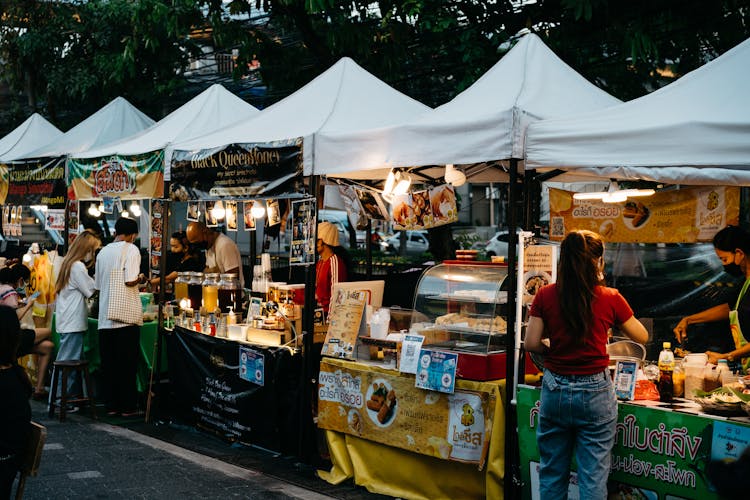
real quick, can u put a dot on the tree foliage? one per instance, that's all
(68, 58)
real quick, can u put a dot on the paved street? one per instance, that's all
(84, 458)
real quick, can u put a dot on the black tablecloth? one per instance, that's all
(207, 390)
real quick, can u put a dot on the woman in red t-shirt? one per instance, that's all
(568, 323)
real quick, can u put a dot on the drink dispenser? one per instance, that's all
(195, 290)
(210, 294)
(230, 293)
(181, 286)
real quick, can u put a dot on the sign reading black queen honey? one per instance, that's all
(236, 169)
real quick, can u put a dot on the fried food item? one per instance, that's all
(440, 447)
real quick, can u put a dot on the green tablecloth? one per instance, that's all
(149, 335)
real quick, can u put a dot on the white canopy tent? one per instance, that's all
(484, 123)
(212, 109)
(114, 121)
(343, 98)
(693, 131)
(32, 134)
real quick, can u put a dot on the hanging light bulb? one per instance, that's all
(454, 176)
(135, 209)
(94, 211)
(258, 210)
(218, 212)
(125, 214)
(390, 183)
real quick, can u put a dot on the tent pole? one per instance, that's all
(311, 357)
(368, 246)
(511, 480)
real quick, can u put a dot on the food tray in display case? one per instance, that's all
(461, 306)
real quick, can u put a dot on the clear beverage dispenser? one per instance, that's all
(230, 293)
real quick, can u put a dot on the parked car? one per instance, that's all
(497, 245)
(416, 243)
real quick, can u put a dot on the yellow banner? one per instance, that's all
(385, 407)
(681, 216)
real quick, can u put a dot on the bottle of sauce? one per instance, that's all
(666, 370)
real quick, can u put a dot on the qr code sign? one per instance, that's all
(557, 227)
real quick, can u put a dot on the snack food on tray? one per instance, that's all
(496, 324)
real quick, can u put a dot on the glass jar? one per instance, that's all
(230, 293)
(195, 290)
(181, 286)
(210, 292)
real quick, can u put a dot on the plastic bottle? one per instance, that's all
(666, 370)
(724, 372)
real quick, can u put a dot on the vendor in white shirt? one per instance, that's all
(222, 254)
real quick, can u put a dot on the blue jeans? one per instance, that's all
(71, 347)
(577, 412)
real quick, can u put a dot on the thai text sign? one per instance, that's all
(657, 452)
(385, 407)
(124, 177)
(680, 216)
(235, 169)
(35, 182)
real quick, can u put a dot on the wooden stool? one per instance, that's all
(62, 369)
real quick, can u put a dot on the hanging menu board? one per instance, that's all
(346, 321)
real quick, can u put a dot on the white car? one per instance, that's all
(497, 245)
(416, 243)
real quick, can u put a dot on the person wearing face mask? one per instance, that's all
(73, 287)
(119, 343)
(732, 246)
(33, 340)
(222, 254)
(182, 258)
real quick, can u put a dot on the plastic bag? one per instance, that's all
(645, 390)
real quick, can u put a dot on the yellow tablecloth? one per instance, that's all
(400, 473)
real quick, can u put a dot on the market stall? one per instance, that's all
(695, 132)
(256, 161)
(481, 132)
(661, 451)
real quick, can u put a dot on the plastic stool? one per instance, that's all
(62, 369)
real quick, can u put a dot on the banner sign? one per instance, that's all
(209, 391)
(36, 182)
(386, 407)
(252, 365)
(234, 170)
(123, 177)
(302, 249)
(425, 209)
(659, 453)
(436, 371)
(681, 216)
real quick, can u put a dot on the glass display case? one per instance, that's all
(462, 306)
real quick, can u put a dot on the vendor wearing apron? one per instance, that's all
(732, 246)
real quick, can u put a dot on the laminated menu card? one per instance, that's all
(346, 321)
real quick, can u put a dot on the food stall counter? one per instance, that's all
(454, 443)
(661, 451)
